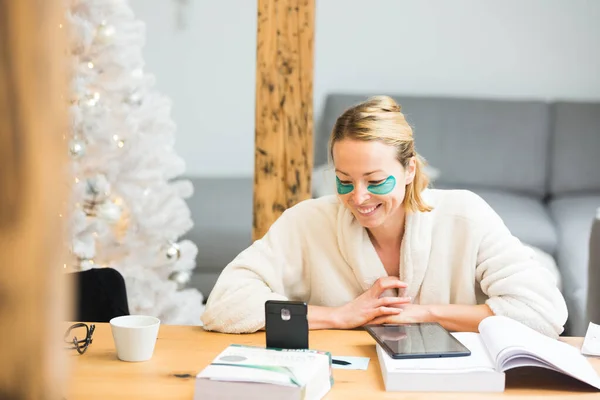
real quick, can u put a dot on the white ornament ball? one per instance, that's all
(76, 148)
(173, 252)
(91, 98)
(109, 212)
(105, 33)
(181, 278)
(134, 98)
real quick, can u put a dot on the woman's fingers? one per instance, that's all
(383, 310)
(384, 283)
(386, 319)
(389, 301)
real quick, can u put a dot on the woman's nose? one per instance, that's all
(360, 194)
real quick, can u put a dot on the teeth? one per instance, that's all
(366, 210)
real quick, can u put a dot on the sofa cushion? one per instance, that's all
(575, 158)
(485, 143)
(574, 216)
(593, 300)
(222, 213)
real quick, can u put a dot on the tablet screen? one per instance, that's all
(417, 340)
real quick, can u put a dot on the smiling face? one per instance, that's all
(360, 167)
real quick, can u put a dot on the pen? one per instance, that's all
(340, 362)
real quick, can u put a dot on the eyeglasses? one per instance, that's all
(79, 330)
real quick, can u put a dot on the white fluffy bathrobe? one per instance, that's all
(459, 253)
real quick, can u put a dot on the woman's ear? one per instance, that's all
(410, 171)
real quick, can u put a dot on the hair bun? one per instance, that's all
(384, 103)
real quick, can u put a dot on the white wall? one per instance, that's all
(207, 69)
(541, 49)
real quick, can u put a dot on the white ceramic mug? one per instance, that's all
(135, 336)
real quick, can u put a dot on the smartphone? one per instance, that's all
(286, 324)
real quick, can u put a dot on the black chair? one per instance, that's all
(100, 295)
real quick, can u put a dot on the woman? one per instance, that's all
(386, 249)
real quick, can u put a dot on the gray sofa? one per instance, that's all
(593, 300)
(535, 163)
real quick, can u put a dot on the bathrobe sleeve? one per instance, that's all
(517, 285)
(270, 269)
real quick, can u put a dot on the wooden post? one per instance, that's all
(32, 193)
(284, 117)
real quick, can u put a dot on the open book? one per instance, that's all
(502, 344)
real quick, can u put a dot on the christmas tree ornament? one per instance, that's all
(91, 98)
(97, 188)
(120, 142)
(105, 32)
(181, 278)
(134, 98)
(109, 211)
(173, 251)
(86, 264)
(76, 148)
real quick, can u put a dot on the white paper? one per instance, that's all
(355, 362)
(591, 343)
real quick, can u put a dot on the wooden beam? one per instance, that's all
(284, 115)
(33, 191)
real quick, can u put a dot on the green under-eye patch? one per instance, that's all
(384, 187)
(343, 188)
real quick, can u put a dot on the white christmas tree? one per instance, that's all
(129, 210)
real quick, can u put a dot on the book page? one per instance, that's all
(497, 335)
(512, 344)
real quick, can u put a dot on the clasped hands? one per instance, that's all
(373, 308)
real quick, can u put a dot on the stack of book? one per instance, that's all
(245, 372)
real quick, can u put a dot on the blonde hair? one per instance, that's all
(380, 118)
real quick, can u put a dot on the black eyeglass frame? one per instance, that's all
(80, 345)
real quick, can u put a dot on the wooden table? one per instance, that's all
(182, 351)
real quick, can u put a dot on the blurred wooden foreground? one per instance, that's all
(32, 193)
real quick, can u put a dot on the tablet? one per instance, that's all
(422, 340)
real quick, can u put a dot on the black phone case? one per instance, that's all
(286, 324)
